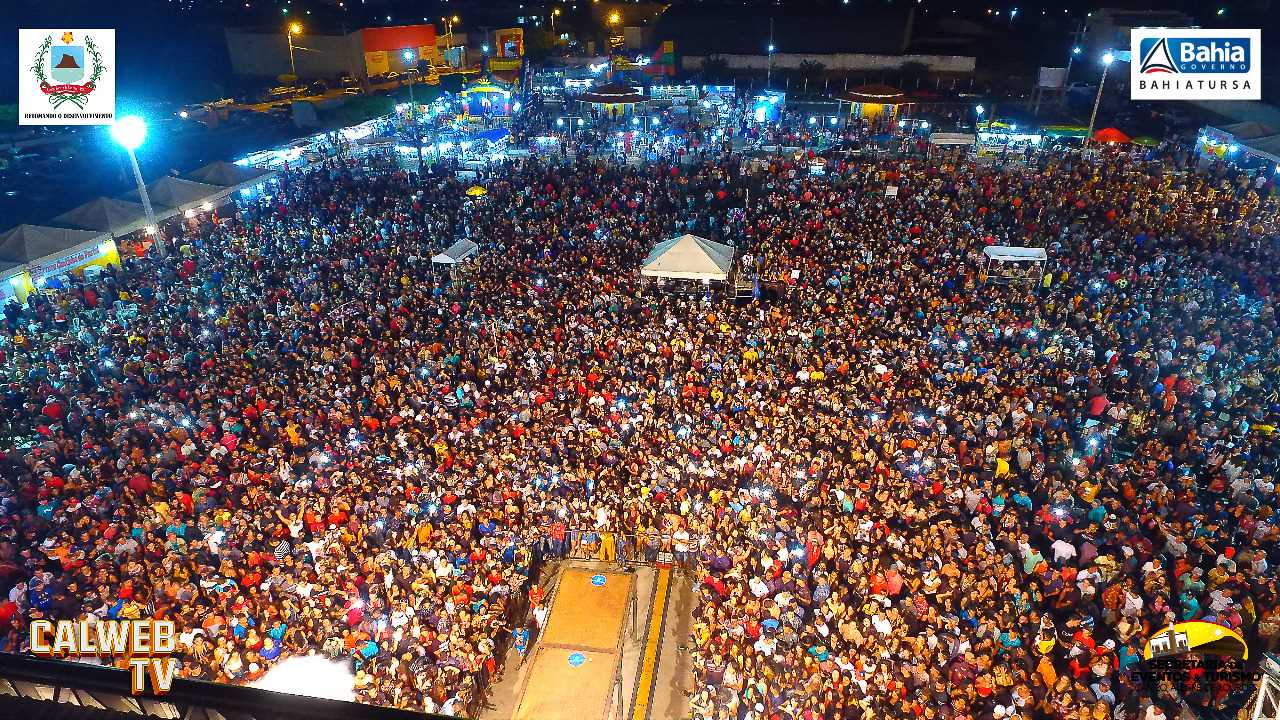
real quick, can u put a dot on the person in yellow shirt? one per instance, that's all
(1002, 467)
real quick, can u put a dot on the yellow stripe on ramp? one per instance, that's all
(653, 642)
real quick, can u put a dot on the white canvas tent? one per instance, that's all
(1010, 264)
(109, 215)
(946, 138)
(689, 257)
(38, 244)
(456, 253)
(179, 194)
(229, 175)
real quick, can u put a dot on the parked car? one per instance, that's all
(318, 87)
(353, 91)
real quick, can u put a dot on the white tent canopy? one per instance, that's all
(109, 215)
(456, 253)
(178, 194)
(229, 175)
(1009, 253)
(1009, 265)
(37, 244)
(945, 138)
(689, 257)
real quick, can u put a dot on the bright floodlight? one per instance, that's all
(979, 109)
(1108, 58)
(771, 48)
(408, 55)
(1075, 50)
(129, 131)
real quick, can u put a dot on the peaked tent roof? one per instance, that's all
(177, 193)
(456, 252)
(118, 217)
(1110, 135)
(221, 172)
(689, 257)
(1248, 130)
(29, 243)
(1013, 253)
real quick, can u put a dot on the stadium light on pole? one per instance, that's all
(1107, 58)
(294, 29)
(1075, 50)
(130, 132)
(409, 57)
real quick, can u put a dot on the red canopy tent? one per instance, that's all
(1110, 135)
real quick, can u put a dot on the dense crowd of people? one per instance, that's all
(905, 490)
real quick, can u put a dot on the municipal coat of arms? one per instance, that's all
(64, 70)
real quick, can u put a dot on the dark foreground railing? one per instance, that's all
(36, 689)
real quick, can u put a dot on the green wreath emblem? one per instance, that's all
(59, 99)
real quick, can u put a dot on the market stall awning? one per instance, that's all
(876, 93)
(32, 243)
(952, 139)
(612, 94)
(104, 214)
(1072, 131)
(1248, 130)
(180, 194)
(1110, 135)
(1010, 253)
(689, 257)
(456, 253)
(225, 174)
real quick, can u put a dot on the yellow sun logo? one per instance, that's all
(67, 37)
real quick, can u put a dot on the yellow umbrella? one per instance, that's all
(476, 191)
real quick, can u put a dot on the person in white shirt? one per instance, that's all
(1062, 550)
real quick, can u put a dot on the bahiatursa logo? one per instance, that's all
(1192, 55)
(1194, 64)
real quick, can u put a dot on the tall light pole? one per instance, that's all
(294, 29)
(1075, 50)
(768, 71)
(1107, 59)
(413, 114)
(554, 13)
(448, 31)
(129, 132)
(614, 19)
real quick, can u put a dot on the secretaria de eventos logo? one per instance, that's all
(66, 77)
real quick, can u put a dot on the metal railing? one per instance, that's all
(624, 548)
